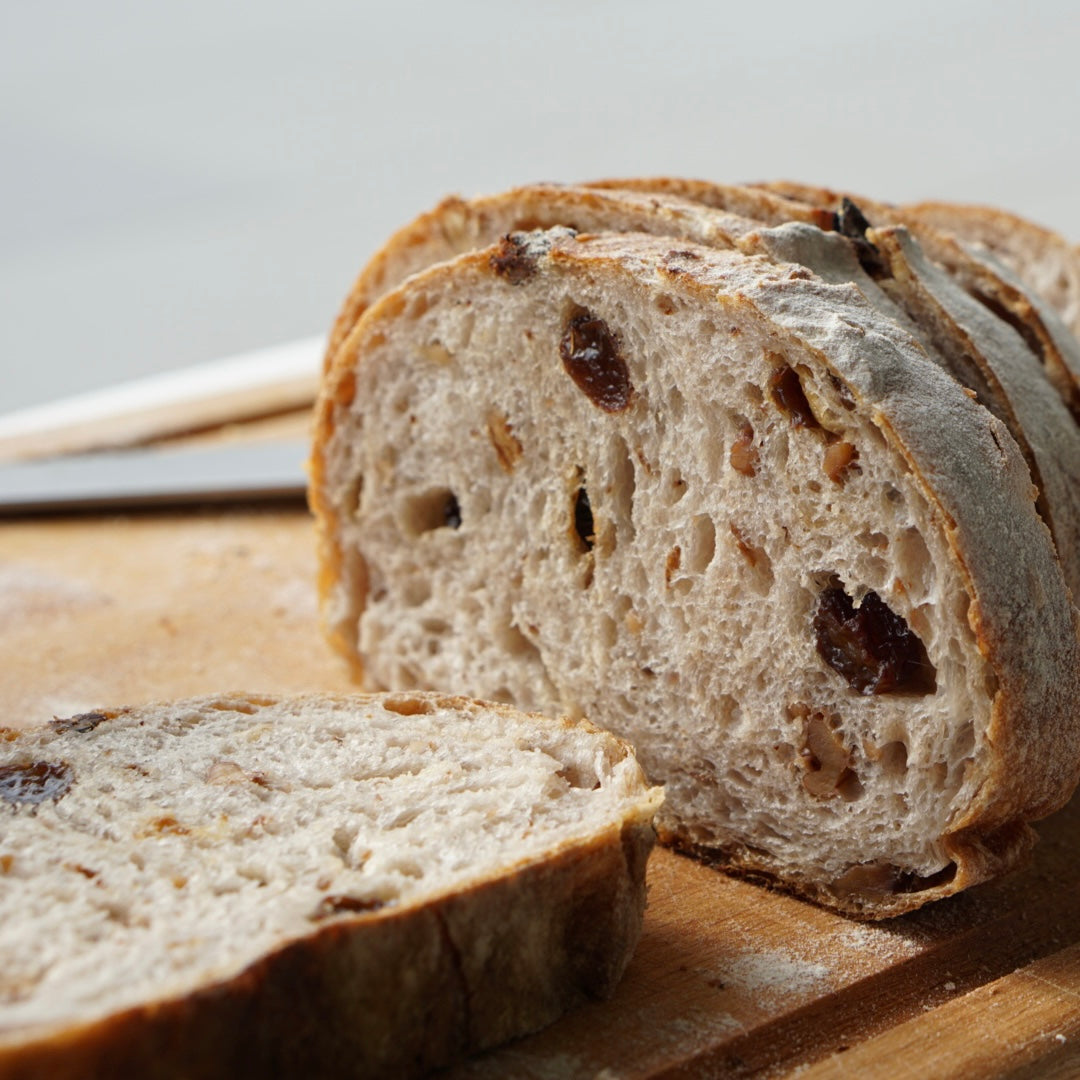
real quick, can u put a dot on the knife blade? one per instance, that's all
(269, 470)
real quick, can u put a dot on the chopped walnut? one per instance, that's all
(827, 761)
(839, 457)
(744, 454)
(674, 561)
(506, 444)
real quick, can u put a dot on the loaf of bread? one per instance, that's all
(318, 886)
(732, 511)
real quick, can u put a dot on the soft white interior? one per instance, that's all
(194, 840)
(688, 625)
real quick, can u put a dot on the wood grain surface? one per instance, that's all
(729, 979)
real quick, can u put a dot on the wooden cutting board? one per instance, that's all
(729, 979)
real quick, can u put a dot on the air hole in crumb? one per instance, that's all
(624, 485)
(674, 489)
(665, 304)
(894, 758)
(579, 777)
(330, 906)
(513, 642)
(753, 395)
(826, 759)
(702, 544)
(583, 519)
(676, 406)
(431, 510)
(354, 495)
(415, 591)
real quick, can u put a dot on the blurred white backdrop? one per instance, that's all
(181, 181)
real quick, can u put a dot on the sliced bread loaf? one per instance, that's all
(318, 886)
(730, 511)
(984, 352)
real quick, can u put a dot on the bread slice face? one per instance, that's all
(730, 512)
(308, 886)
(987, 354)
(457, 226)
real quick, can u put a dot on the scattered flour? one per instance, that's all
(26, 592)
(771, 977)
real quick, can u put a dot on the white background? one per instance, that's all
(181, 181)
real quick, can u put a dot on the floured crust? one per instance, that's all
(1024, 627)
(393, 991)
(983, 248)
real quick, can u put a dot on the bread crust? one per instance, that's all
(982, 248)
(392, 992)
(1000, 548)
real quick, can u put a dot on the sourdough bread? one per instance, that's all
(732, 512)
(316, 886)
(985, 352)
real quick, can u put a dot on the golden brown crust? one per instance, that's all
(386, 995)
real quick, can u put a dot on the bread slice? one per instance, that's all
(729, 511)
(459, 225)
(242, 886)
(1042, 258)
(966, 338)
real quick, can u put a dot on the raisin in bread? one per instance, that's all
(316, 886)
(983, 351)
(730, 511)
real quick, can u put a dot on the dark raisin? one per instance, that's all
(452, 513)
(345, 905)
(35, 783)
(787, 393)
(513, 261)
(81, 724)
(583, 519)
(851, 222)
(590, 353)
(871, 646)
